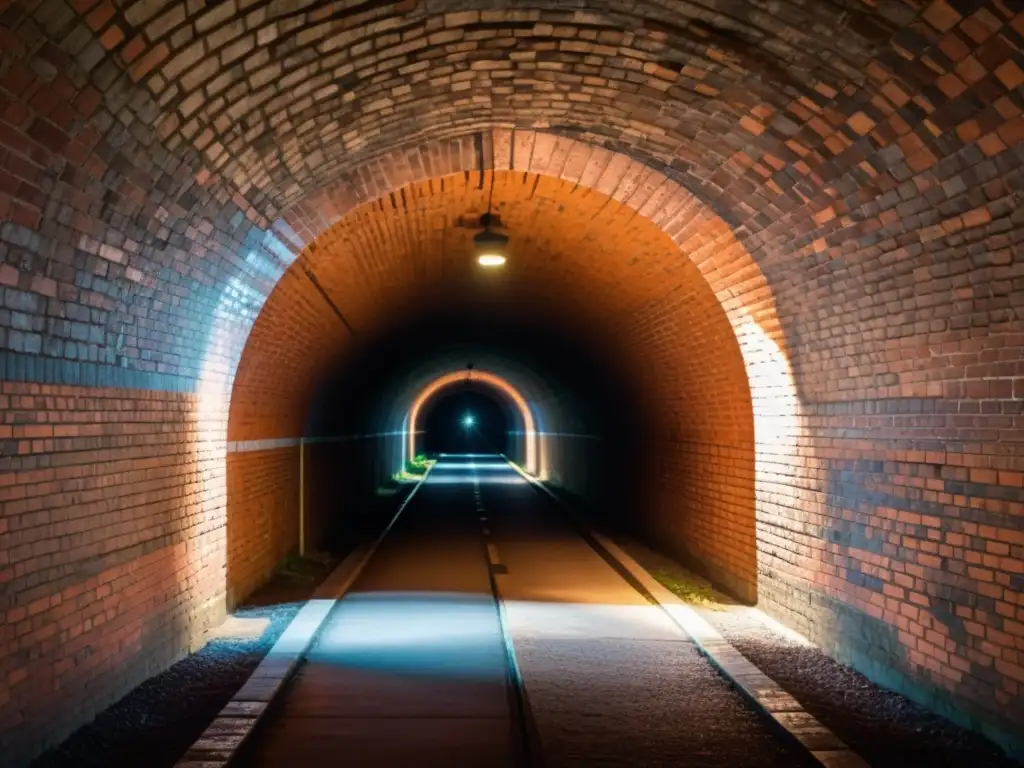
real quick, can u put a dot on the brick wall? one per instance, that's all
(128, 282)
(263, 527)
(338, 484)
(852, 210)
(111, 552)
(342, 481)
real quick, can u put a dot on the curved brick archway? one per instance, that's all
(163, 166)
(553, 417)
(531, 454)
(592, 244)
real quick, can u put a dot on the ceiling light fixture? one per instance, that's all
(491, 244)
(491, 247)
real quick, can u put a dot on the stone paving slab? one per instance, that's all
(243, 709)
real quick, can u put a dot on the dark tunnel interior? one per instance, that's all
(465, 419)
(581, 386)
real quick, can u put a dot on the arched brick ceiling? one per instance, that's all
(575, 254)
(755, 107)
(867, 159)
(281, 96)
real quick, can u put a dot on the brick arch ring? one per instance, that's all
(701, 235)
(490, 379)
(771, 414)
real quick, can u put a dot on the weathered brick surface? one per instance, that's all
(110, 562)
(278, 371)
(263, 487)
(263, 491)
(851, 177)
(115, 263)
(655, 312)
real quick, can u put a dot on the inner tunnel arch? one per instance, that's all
(695, 254)
(531, 452)
(470, 419)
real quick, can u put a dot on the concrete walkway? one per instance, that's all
(412, 669)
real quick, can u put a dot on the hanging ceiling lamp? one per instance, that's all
(491, 244)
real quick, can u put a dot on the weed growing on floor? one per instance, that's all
(418, 465)
(688, 587)
(693, 591)
(414, 470)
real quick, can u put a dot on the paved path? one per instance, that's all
(412, 667)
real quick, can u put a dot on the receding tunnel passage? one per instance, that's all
(519, 412)
(459, 382)
(412, 667)
(466, 421)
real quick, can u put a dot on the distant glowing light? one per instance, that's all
(468, 420)
(412, 420)
(490, 260)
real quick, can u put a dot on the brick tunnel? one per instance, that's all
(760, 310)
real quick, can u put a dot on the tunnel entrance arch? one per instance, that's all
(695, 323)
(742, 439)
(412, 425)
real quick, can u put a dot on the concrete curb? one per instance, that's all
(768, 697)
(223, 738)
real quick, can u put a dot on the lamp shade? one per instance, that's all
(491, 247)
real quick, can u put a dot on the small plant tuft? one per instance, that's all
(689, 590)
(413, 470)
(301, 570)
(417, 465)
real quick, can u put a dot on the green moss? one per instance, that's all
(417, 465)
(690, 590)
(413, 470)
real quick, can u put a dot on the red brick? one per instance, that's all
(799, 251)
(44, 285)
(941, 15)
(111, 37)
(150, 60)
(99, 17)
(8, 275)
(1010, 75)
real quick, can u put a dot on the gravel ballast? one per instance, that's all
(885, 728)
(156, 723)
